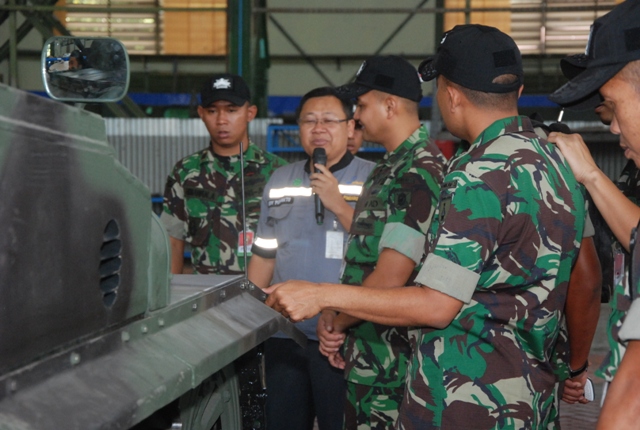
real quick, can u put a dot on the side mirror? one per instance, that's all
(86, 70)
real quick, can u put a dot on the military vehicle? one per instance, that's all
(94, 331)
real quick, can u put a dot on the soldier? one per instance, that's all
(503, 240)
(386, 240)
(611, 252)
(202, 197)
(290, 244)
(613, 69)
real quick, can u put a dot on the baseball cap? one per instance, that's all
(473, 55)
(571, 67)
(387, 73)
(225, 86)
(614, 41)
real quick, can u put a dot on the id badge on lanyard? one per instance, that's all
(334, 243)
(242, 248)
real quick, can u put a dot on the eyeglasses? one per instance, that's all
(323, 122)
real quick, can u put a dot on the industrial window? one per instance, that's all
(148, 29)
(534, 24)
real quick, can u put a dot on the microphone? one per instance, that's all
(319, 157)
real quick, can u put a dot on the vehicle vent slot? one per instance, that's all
(110, 263)
(112, 230)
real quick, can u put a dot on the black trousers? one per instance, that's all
(301, 384)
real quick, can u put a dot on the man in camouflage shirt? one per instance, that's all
(621, 297)
(386, 239)
(492, 290)
(615, 255)
(613, 70)
(203, 196)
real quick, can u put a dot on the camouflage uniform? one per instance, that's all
(202, 205)
(394, 211)
(504, 237)
(629, 184)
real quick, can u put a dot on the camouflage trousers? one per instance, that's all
(374, 408)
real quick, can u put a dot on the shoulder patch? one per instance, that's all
(401, 199)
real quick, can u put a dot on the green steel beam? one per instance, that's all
(263, 10)
(431, 10)
(436, 116)
(239, 38)
(13, 48)
(260, 62)
(103, 9)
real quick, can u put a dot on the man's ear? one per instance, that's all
(201, 112)
(454, 97)
(252, 111)
(391, 105)
(351, 128)
(520, 90)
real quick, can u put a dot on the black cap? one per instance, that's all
(614, 41)
(225, 86)
(473, 55)
(389, 73)
(571, 67)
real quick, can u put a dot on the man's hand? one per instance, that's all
(296, 300)
(576, 153)
(330, 338)
(325, 185)
(336, 360)
(574, 389)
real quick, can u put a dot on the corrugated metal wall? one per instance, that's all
(149, 147)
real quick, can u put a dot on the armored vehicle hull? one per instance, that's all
(94, 331)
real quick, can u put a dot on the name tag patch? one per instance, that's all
(280, 201)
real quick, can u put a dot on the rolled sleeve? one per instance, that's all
(442, 275)
(266, 243)
(631, 328)
(589, 229)
(403, 239)
(173, 225)
(174, 216)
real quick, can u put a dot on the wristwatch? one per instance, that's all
(583, 368)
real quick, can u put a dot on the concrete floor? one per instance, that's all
(585, 417)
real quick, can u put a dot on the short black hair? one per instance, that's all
(502, 101)
(347, 106)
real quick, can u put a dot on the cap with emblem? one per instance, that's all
(387, 73)
(614, 41)
(472, 56)
(225, 86)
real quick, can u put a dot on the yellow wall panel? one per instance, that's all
(195, 33)
(501, 20)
